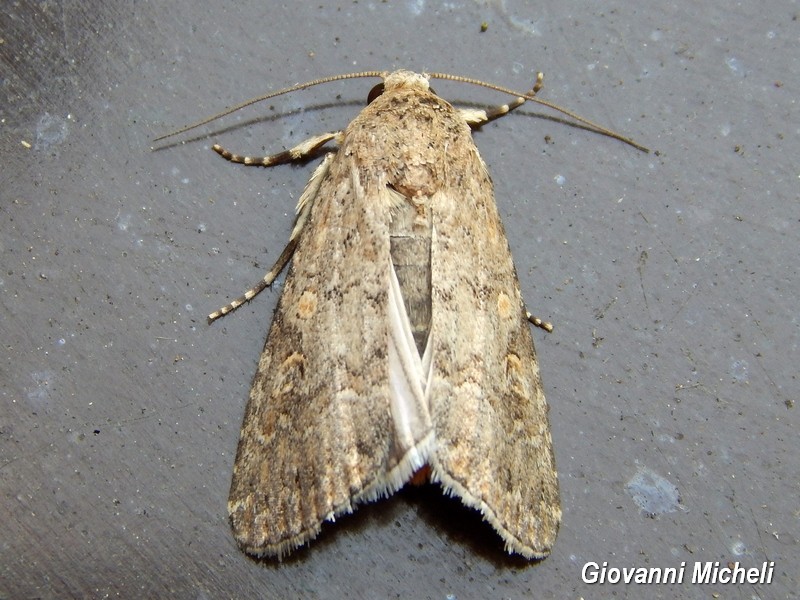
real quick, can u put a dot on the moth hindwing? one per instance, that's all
(400, 339)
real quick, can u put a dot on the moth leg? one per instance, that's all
(303, 150)
(304, 205)
(547, 326)
(476, 118)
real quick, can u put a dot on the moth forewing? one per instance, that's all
(490, 418)
(400, 339)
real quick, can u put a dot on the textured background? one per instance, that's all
(671, 278)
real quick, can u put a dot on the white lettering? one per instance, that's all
(595, 573)
(667, 575)
(723, 575)
(702, 572)
(627, 574)
(739, 574)
(767, 577)
(590, 577)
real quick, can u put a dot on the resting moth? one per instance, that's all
(400, 340)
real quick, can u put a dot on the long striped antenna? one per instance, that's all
(246, 103)
(539, 77)
(444, 76)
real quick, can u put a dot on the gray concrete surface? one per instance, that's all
(672, 280)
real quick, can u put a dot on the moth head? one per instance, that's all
(400, 80)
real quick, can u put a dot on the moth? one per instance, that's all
(400, 340)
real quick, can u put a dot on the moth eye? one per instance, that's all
(374, 93)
